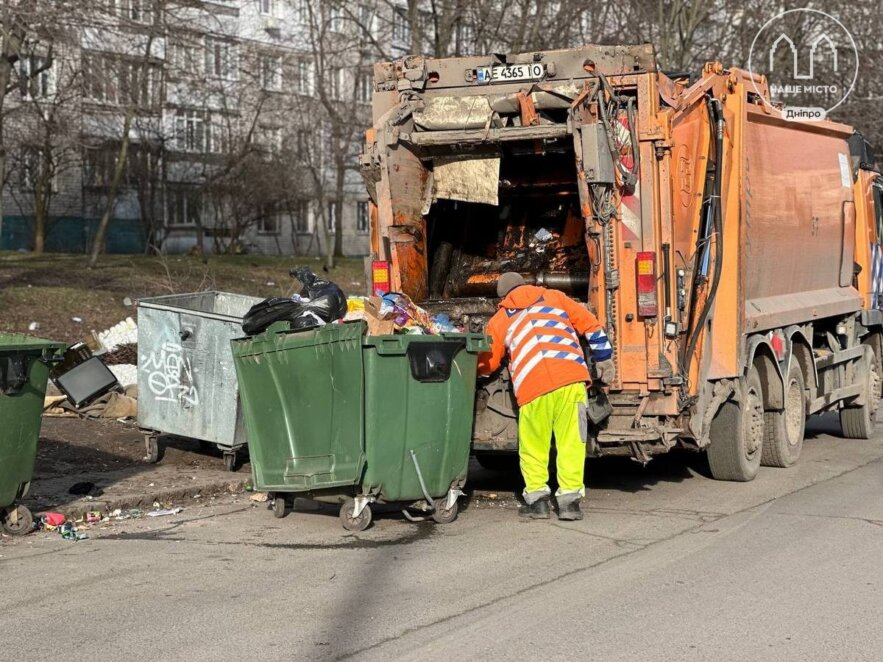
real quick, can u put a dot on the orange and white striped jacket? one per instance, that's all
(539, 329)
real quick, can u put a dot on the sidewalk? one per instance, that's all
(103, 462)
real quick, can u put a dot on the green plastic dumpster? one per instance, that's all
(336, 416)
(23, 376)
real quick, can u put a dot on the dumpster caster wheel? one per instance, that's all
(444, 515)
(351, 523)
(279, 505)
(17, 520)
(151, 445)
(231, 461)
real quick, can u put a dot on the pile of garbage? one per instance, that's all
(323, 302)
(393, 312)
(319, 302)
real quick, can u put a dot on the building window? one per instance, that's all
(268, 7)
(301, 214)
(186, 59)
(115, 81)
(401, 29)
(139, 11)
(365, 87)
(268, 139)
(189, 131)
(268, 224)
(303, 83)
(335, 18)
(366, 20)
(271, 72)
(99, 164)
(304, 143)
(218, 135)
(331, 216)
(184, 206)
(30, 161)
(336, 80)
(220, 59)
(302, 11)
(425, 27)
(35, 73)
(465, 37)
(363, 218)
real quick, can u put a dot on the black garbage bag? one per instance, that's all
(320, 302)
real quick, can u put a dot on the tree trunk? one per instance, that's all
(119, 170)
(39, 222)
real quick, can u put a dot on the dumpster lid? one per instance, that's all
(15, 342)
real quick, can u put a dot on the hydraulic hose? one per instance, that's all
(716, 115)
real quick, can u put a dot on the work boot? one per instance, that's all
(570, 511)
(539, 509)
(568, 506)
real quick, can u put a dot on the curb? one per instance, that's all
(145, 500)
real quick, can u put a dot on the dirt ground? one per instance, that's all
(53, 289)
(94, 464)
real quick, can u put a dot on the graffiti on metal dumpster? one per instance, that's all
(170, 375)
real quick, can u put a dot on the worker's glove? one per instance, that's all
(606, 371)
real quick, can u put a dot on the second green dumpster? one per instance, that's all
(337, 416)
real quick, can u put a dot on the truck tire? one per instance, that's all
(737, 434)
(784, 430)
(858, 422)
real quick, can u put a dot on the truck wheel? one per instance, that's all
(858, 422)
(737, 434)
(783, 430)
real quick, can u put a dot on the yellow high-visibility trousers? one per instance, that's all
(562, 412)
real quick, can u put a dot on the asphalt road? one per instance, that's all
(667, 565)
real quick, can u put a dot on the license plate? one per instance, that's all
(510, 72)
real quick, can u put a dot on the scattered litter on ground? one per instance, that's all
(33, 326)
(164, 512)
(78, 320)
(259, 497)
(53, 519)
(123, 333)
(113, 405)
(127, 301)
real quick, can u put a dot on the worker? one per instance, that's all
(539, 328)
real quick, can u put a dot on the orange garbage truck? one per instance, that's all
(733, 256)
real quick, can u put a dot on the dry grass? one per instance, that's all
(53, 289)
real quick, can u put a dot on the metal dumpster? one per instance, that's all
(23, 376)
(186, 380)
(337, 416)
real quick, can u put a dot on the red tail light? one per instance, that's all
(379, 277)
(648, 304)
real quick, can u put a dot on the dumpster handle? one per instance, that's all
(420, 478)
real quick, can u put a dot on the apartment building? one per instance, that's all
(244, 120)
